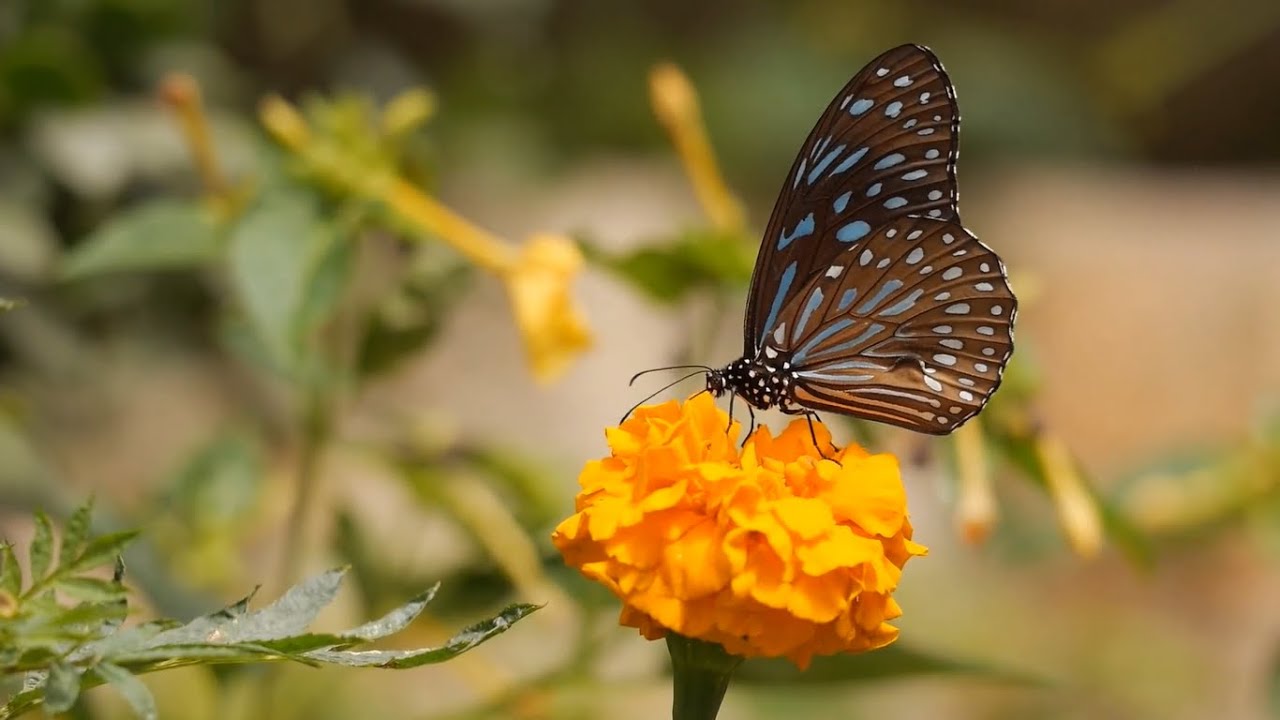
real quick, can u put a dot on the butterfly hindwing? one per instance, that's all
(885, 148)
(911, 325)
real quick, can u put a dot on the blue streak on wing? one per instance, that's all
(881, 293)
(850, 161)
(836, 349)
(818, 339)
(853, 231)
(815, 299)
(823, 163)
(889, 161)
(902, 305)
(842, 202)
(796, 182)
(804, 228)
(847, 299)
(860, 106)
(823, 372)
(784, 286)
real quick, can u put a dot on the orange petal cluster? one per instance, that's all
(771, 551)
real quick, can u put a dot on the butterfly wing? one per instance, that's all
(911, 325)
(885, 148)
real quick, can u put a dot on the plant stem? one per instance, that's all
(316, 423)
(700, 676)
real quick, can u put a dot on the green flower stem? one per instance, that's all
(701, 672)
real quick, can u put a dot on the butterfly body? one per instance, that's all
(869, 298)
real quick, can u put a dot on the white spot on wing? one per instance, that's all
(834, 271)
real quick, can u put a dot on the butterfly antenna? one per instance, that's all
(702, 368)
(662, 389)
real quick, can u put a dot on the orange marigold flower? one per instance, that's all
(769, 551)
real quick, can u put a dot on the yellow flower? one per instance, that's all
(538, 282)
(771, 551)
(538, 275)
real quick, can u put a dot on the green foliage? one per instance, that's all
(60, 649)
(160, 235)
(283, 258)
(696, 260)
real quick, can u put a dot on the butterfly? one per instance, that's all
(869, 298)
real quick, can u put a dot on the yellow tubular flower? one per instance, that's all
(182, 94)
(675, 102)
(773, 551)
(1077, 510)
(976, 508)
(538, 274)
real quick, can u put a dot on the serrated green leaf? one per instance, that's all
(290, 615)
(130, 687)
(394, 621)
(164, 234)
(101, 550)
(90, 589)
(76, 533)
(40, 554)
(276, 250)
(10, 573)
(896, 661)
(97, 615)
(170, 656)
(404, 659)
(61, 688)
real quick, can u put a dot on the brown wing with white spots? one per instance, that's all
(911, 326)
(885, 148)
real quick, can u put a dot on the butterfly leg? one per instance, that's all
(732, 397)
(751, 411)
(809, 415)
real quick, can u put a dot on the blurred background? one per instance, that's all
(234, 338)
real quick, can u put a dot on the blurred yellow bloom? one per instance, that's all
(976, 506)
(770, 552)
(538, 283)
(539, 274)
(1077, 510)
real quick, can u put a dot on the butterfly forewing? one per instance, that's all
(885, 148)
(910, 325)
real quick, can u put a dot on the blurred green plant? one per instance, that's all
(50, 650)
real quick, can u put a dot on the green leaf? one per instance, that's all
(277, 249)
(219, 484)
(669, 273)
(10, 573)
(90, 589)
(40, 554)
(290, 615)
(404, 659)
(61, 688)
(100, 551)
(407, 319)
(134, 692)
(394, 621)
(164, 234)
(896, 661)
(76, 534)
